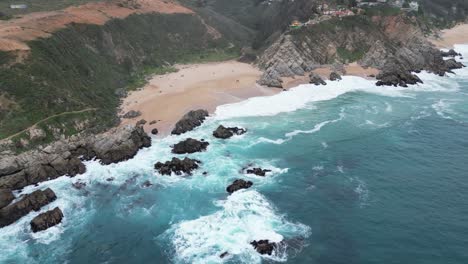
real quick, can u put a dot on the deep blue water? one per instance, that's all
(361, 174)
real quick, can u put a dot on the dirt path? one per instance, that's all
(48, 118)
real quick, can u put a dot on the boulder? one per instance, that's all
(264, 247)
(47, 220)
(257, 171)
(190, 121)
(131, 114)
(334, 76)
(450, 53)
(141, 122)
(30, 202)
(224, 254)
(177, 166)
(271, 78)
(238, 185)
(6, 197)
(189, 145)
(154, 131)
(316, 79)
(227, 132)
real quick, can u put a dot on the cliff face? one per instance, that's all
(72, 80)
(379, 42)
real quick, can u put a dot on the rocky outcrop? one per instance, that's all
(6, 197)
(189, 145)
(238, 185)
(450, 53)
(264, 247)
(258, 171)
(190, 121)
(177, 166)
(334, 76)
(47, 220)
(131, 114)
(65, 157)
(316, 79)
(394, 75)
(30, 202)
(227, 132)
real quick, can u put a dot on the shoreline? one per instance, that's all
(166, 98)
(447, 38)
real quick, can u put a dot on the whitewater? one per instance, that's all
(360, 174)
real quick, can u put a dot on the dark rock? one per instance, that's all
(205, 173)
(452, 64)
(450, 53)
(227, 132)
(224, 254)
(153, 122)
(394, 75)
(6, 197)
(271, 78)
(65, 157)
(264, 247)
(141, 122)
(47, 220)
(154, 131)
(316, 79)
(30, 202)
(146, 184)
(79, 185)
(334, 76)
(189, 146)
(190, 121)
(131, 114)
(258, 171)
(177, 166)
(110, 179)
(238, 185)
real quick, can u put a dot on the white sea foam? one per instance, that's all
(244, 216)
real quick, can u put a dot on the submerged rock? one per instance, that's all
(258, 171)
(30, 202)
(238, 185)
(189, 145)
(190, 121)
(177, 166)
(264, 247)
(316, 79)
(6, 197)
(47, 220)
(227, 132)
(224, 254)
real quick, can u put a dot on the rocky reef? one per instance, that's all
(30, 202)
(47, 220)
(190, 121)
(65, 157)
(177, 166)
(189, 145)
(227, 132)
(238, 185)
(264, 247)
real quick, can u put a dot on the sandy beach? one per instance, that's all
(449, 37)
(166, 98)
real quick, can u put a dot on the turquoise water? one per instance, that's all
(361, 174)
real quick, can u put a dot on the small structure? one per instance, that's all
(296, 24)
(18, 6)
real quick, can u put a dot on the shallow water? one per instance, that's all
(361, 174)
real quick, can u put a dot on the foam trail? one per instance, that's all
(244, 216)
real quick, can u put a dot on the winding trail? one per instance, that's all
(48, 118)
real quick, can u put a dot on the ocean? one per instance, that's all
(360, 174)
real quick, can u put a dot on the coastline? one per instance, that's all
(166, 98)
(447, 38)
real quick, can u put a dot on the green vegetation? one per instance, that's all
(83, 66)
(382, 10)
(351, 56)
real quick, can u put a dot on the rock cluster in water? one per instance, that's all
(238, 185)
(264, 247)
(258, 171)
(30, 202)
(177, 166)
(46, 220)
(227, 132)
(190, 121)
(189, 145)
